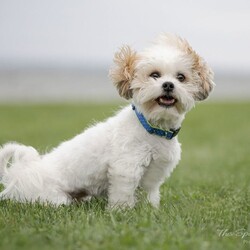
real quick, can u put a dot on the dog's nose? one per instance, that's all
(168, 86)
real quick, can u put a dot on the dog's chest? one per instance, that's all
(165, 151)
(164, 157)
(163, 161)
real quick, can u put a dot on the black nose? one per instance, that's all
(168, 86)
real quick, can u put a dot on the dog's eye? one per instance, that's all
(181, 77)
(155, 75)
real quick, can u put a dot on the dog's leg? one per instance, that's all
(121, 192)
(122, 186)
(153, 195)
(151, 183)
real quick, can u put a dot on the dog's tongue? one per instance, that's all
(166, 101)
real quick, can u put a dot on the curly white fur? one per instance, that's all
(116, 156)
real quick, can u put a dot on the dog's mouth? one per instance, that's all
(166, 101)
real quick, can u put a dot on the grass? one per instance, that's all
(205, 203)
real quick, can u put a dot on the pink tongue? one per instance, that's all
(166, 101)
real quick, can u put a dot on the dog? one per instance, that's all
(138, 147)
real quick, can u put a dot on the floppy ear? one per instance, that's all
(122, 73)
(206, 76)
(202, 72)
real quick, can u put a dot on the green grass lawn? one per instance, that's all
(205, 203)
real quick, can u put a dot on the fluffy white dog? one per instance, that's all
(136, 147)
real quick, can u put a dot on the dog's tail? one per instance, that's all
(15, 160)
(12, 153)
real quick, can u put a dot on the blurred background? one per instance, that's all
(61, 50)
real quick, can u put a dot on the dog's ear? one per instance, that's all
(122, 73)
(202, 72)
(205, 78)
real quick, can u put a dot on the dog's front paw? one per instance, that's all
(154, 198)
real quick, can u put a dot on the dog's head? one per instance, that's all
(167, 78)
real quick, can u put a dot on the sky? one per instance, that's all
(85, 33)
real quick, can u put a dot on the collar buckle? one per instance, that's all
(174, 132)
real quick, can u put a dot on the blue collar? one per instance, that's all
(153, 130)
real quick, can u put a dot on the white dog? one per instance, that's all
(136, 147)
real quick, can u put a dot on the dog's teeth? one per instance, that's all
(166, 101)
